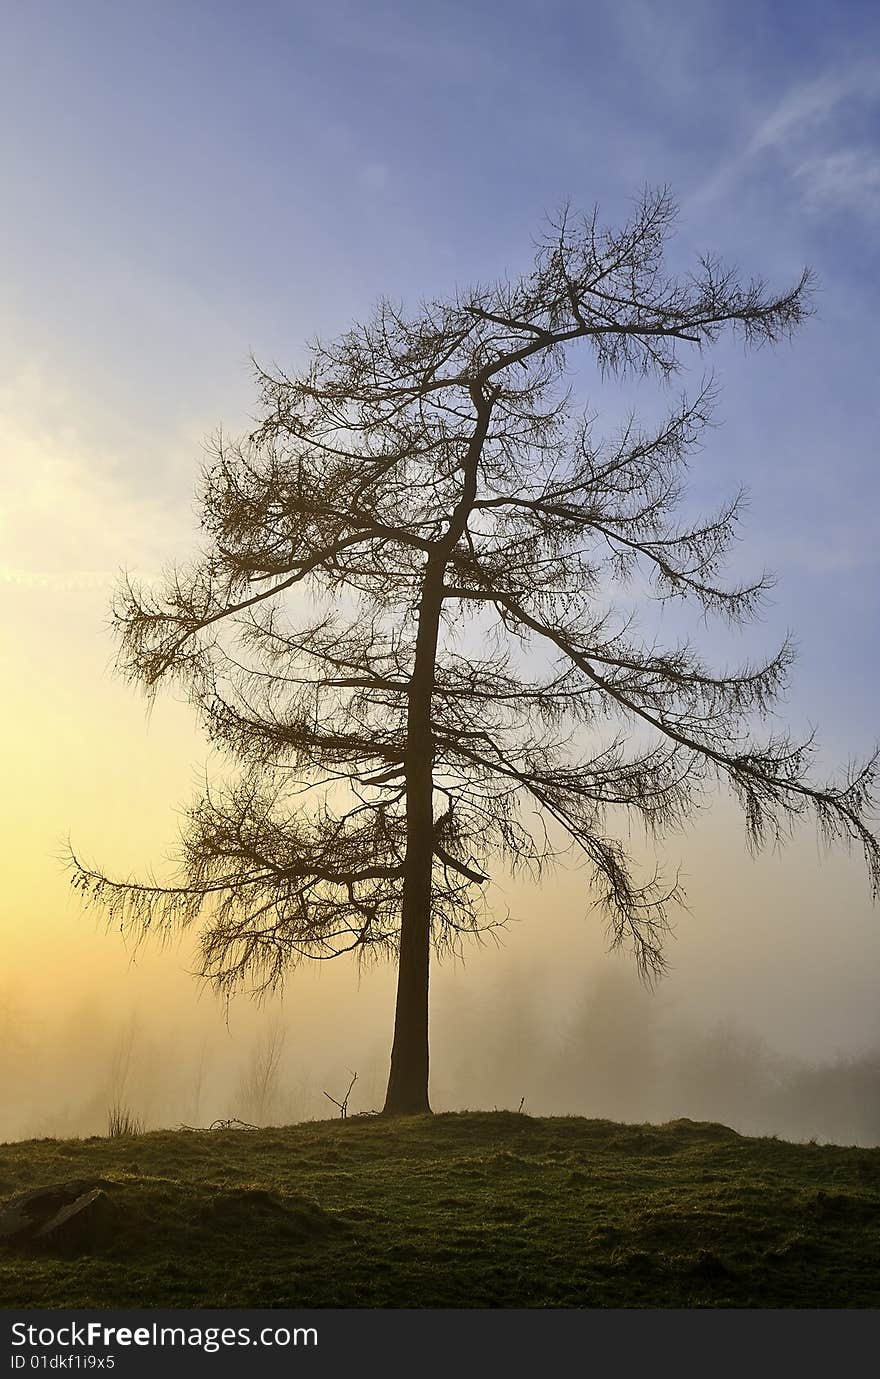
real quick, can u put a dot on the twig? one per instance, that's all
(343, 1105)
(232, 1124)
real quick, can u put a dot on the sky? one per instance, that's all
(188, 184)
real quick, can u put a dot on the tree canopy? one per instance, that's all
(406, 629)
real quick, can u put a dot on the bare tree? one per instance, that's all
(461, 690)
(258, 1085)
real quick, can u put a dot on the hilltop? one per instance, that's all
(457, 1210)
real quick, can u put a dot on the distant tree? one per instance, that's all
(258, 1086)
(609, 1058)
(457, 688)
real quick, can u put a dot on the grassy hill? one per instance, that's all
(469, 1210)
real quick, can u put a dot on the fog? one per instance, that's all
(766, 1021)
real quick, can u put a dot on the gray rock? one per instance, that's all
(26, 1214)
(81, 1222)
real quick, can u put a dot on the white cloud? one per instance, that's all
(814, 132)
(71, 581)
(805, 105)
(68, 518)
(846, 180)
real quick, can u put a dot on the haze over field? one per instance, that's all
(195, 185)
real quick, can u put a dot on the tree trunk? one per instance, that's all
(408, 1080)
(407, 1093)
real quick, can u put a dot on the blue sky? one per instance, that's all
(186, 183)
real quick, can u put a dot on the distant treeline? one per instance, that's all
(617, 1052)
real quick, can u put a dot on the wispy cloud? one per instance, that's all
(68, 520)
(816, 133)
(804, 107)
(846, 180)
(70, 581)
(839, 551)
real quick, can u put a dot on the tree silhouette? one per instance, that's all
(456, 687)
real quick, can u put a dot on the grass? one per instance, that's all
(122, 1122)
(465, 1210)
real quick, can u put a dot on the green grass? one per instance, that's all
(470, 1210)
